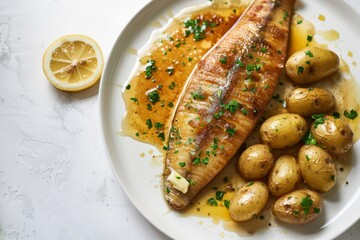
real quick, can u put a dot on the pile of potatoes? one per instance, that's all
(314, 165)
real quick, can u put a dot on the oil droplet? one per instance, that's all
(330, 35)
(321, 17)
(132, 51)
(142, 155)
(151, 151)
(222, 235)
(350, 54)
(354, 64)
(201, 222)
(156, 24)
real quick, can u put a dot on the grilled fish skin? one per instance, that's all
(224, 98)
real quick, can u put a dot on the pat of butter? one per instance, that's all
(178, 182)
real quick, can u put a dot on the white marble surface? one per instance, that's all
(55, 180)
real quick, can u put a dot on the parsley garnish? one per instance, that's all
(149, 123)
(128, 87)
(198, 95)
(232, 106)
(300, 69)
(170, 70)
(134, 99)
(219, 195)
(158, 125)
(212, 202)
(182, 164)
(172, 85)
(351, 115)
(239, 63)
(223, 59)
(299, 21)
(231, 131)
(319, 119)
(161, 136)
(150, 68)
(154, 96)
(309, 53)
(193, 26)
(227, 203)
(306, 204)
(309, 139)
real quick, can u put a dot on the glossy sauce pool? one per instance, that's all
(152, 92)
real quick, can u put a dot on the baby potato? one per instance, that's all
(311, 64)
(248, 201)
(334, 134)
(307, 101)
(255, 162)
(283, 130)
(298, 207)
(317, 168)
(284, 176)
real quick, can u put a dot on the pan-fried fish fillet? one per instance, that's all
(224, 98)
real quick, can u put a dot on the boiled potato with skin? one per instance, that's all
(308, 101)
(333, 134)
(317, 168)
(298, 207)
(249, 201)
(311, 64)
(255, 162)
(283, 130)
(284, 176)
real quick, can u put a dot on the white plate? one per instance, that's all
(140, 176)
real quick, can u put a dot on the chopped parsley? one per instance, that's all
(182, 164)
(319, 119)
(285, 15)
(351, 115)
(299, 21)
(128, 87)
(309, 139)
(154, 96)
(198, 95)
(150, 68)
(309, 53)
(193, 26)
(219, 195)
(134, 99)
(172, 85)
(244, 111)
(161, 136)
(158, 125)
(149, 123)
(149, 107)
(170, 70)
(249, 184)
(336, 115)
(300, 70)
(227, 203)
(231, 131)
(223, 59)
(212, 202)
(239, 63)
(306, 204)
(232, 106)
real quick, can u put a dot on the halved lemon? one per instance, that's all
(73, 63)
